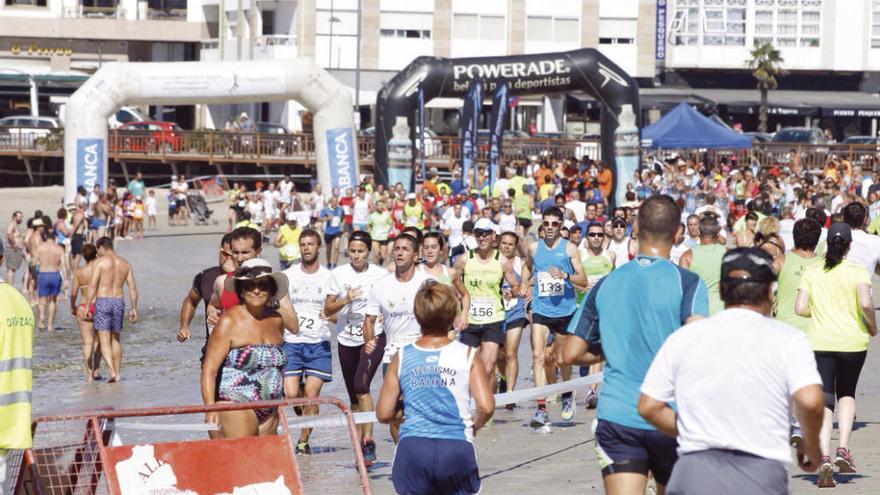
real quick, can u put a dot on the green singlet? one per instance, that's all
(787, 288)
(706, 263)
(595, 267)
(483, 281)
(522, 205)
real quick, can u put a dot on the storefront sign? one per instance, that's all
(660, 48)
(35, 49)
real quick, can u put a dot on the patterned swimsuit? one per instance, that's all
(252, 373)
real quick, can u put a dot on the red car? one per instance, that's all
(151, 136)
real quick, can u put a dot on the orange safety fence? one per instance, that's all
(168, 450)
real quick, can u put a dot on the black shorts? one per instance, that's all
(556, 325)
(76, 244)
(517, 323)
(622, 449)
(328, 238)
(181, 203)
(359, 368)
(524, 222)
(840, 374)
(474, 335)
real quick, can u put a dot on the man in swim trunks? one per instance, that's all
(14, 246)
(52, 276)
(110, 274)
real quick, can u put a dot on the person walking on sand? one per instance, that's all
(110, 274)
(52, 277)
(79, 283)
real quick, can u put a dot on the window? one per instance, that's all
(33, 3)
(553, 29)
(419, 34)
(788, 23)
(479, 27)
(616, 41)
(875, 24)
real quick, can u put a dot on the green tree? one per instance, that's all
(766, 64)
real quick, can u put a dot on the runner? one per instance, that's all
(632, 311)
(380, 229)
(52, 278)
(620, 244)
(287, 241)
(837, 299)
(556, 265)
(360, 210)
(524, 205)
(350, 286)
(598, 262)
(736, 442)
(309, 359)
(14, 247)
(483, 271)
(246, 350)
(202, 289)
(515, 317)
(413, 212)
(433, 244)
(316, 203)
(705, 260)
(392, 299)
(332, 217)
(110, 273)
(78, 286)
(436, 453)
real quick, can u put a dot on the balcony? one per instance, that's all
(269, 47)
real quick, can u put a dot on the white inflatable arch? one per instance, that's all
(187, 83)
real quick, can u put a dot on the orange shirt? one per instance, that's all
(606, 178)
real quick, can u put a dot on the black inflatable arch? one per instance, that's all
(547, 73)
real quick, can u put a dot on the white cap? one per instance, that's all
(291, 215)
(485, 224)
(411, 196)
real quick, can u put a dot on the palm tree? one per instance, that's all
(766, 64)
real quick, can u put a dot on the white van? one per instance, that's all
(125, 115)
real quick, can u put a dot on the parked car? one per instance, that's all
(759, 137)
(26, 131)
(861, 140)
(126, 115)
(800, 135)
(149, 136)
(275, 139)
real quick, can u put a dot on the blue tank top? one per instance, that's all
(435, 384)
(514, 309)
(552, 297)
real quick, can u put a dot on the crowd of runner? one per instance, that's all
(407, 275)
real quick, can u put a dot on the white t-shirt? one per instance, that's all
(732, 377)
(676, 252)
(270, 203)
(454, 225)
(393, 301)
(150, 203)
(350, 319)
(865, 249)
(579, 208)
(308, 293)
(256, 210)
(507, 223)
(361, 211)
(317, 201)
(620, 250)
(786, 232)
(285, 188)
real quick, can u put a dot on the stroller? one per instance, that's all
(200, 208)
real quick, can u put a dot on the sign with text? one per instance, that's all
(340, 150)
(90, 163)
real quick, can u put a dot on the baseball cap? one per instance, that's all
(747, 265)
(840, 230)
(485, 225)
(411, 196)
(290, 215)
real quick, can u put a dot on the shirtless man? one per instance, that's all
(32, 240)
(79, 283)
(109, 275)
(52, 276)
(101, 215)
(79, 227)
(14, 247)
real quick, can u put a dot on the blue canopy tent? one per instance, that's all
(684, 127)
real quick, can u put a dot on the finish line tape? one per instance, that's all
(370, 416)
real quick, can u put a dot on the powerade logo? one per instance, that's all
(340, 150)
(90, 163)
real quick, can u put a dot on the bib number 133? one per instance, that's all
(548, 286)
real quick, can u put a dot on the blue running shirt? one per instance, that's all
(631, 312)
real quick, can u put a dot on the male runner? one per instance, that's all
(347, 296)
(620, 244)
(392, 298)
(483, 271)
(631, 312)
(704, 259)
(14, 247)
(52, 277)
(556, 265)
(110, 273)
(515, 318)
(203, 288)
(309, 358)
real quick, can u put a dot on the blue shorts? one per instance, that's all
(309, 360)
(109, 314)
(622, 449)
(48, 284)
(97, 223)
(431, 465)
(359, 226)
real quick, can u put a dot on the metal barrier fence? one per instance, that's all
(167, 450)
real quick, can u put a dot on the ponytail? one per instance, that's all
(835, 252)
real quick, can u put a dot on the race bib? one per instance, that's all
(548, 286)
(412, 221)
(308, 322)
(483, 309)
(291, 251)
(355, 330)
(334, 221)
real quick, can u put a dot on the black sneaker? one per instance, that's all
(502, 384)
(303, 448)
(369, 451)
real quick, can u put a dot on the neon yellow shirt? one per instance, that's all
(16, 379)
(545, 191)
(289, 249)
(483, 280)
(837, 323)
(706, 262)
(787, 288)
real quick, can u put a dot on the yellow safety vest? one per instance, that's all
(16, 353)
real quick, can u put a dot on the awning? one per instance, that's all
(50, 79)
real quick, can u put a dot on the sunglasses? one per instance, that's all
(619, 226)
(547, 223)
(596, 234)
(260, 284)
(482, 233)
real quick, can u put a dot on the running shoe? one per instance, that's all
(303, 448)
(826, 473)
(796, 436)
(844, 460)
(540, 419)
(592, 399)
(502, 383)
(567, 409)
(369, 450)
